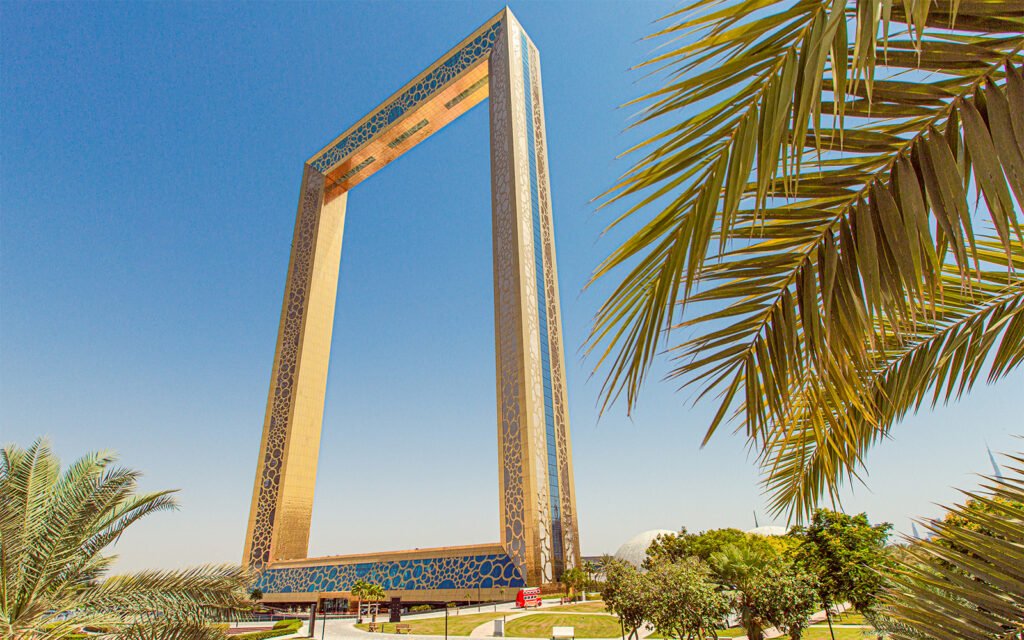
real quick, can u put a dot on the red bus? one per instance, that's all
(529, 597)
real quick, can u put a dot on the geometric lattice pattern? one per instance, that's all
(538, 533)
(469, 572)
(452, 66)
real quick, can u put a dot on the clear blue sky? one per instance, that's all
(151, 158)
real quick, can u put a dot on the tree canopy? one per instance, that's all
(847, 555)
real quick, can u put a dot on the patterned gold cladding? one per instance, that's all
(434, 113)
(566, 481)
(286, 471)
(538, 525)
(513, 450)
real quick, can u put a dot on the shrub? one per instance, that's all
(281, 628)
(420, 607)
(281, 624)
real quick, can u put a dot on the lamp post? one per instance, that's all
(446, 621)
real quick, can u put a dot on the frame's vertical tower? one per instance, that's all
(282, 501)
(538, 501)
(538, 527)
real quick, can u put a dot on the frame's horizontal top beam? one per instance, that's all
(343, 160)
(414, 127)
(386, 556)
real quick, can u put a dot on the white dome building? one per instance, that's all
(634, 550)
(769, 530)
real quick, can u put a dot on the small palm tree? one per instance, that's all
(359, 592)
(736, 567)
(54, 528)
(375, 593)
(369, 591)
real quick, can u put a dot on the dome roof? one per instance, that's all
(634, 550)
(769, 530)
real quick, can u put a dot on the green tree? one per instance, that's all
(829, 209)
(626, 594)
(784, 596)
(737, 564)
(375, 593)
(738, 567)
(360, 591)
(590, 569)
(703, 545)
(54, 529)
(967, 581)
(847, 555)
(256, 594)
(575, 580)
(682, 600)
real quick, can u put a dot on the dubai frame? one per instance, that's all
(538, 529)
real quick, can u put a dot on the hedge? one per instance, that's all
(281, 628)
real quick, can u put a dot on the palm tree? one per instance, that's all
(370, 591)
(375, 593)
(54, 528)
(590, 569)
(830, 208)
(967, 580)
(360, 589)
(737, 567)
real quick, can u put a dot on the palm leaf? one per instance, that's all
(967, 581)
(816, 216)
(54, 528)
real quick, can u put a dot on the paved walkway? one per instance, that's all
(344, 628)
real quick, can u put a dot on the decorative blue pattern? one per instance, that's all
(477, 49)
(542, 316)
(466, 572)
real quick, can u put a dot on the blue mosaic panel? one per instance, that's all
(466, 572)
(477, 49)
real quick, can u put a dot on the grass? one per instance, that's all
(842, 633)
(461, 625)
(851, 617)
(594, 606)
(539, 625)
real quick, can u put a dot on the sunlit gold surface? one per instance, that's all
(433, 112)
(278, 532)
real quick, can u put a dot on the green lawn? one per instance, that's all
(593, 606)
(539, 625)
(461, 625)
(842, 633)
(851, 617)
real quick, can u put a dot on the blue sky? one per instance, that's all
(151, 158)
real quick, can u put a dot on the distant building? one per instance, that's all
(634, 550)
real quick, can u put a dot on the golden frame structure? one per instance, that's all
(538, 532)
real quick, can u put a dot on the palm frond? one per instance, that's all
(191, 596)
(54, 528)
(813, 211)
(967, 581)
(937, 358)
